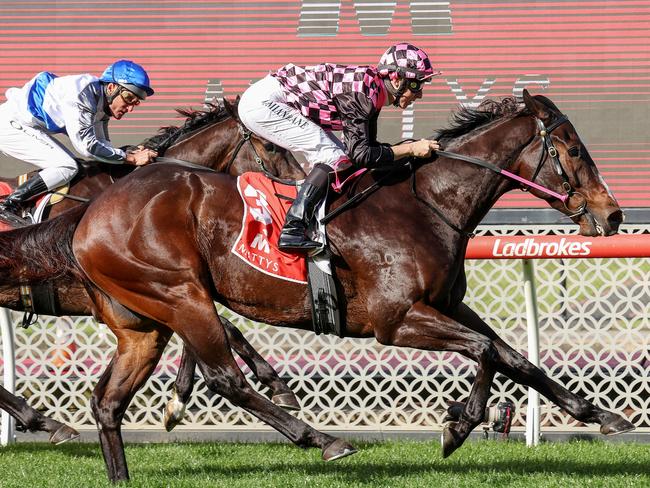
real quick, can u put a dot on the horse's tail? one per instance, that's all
(41, 252)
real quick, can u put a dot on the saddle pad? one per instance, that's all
(264, 214)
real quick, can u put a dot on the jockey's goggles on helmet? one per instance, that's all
(129, 97)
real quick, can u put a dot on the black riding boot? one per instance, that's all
(294, 233)
(11, 209)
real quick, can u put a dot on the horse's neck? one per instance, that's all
(209, 146)
(465, 192)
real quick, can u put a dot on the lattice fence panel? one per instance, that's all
(594, 337)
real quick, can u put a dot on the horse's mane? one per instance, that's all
(466, 119)
(194, 120)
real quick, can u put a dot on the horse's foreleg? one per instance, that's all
(515, 366)
(426, 328)
(263, 371)
(33, 420)
(138, 352)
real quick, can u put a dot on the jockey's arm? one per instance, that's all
(419, 149)
(81, 128)
(359, 130)
(358, 114)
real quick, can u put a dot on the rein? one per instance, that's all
(246, 137)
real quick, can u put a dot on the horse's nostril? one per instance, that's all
(615, 219)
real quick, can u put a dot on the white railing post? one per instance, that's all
(7, 434)
(530, 293)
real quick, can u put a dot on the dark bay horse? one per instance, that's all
(155, 266)
(215, 139)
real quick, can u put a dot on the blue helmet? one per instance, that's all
(130, 75)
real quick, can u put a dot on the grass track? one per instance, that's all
(377, 465)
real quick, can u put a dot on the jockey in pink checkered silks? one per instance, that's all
(299, 107)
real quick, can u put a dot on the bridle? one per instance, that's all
(246, 136)
(549, 149)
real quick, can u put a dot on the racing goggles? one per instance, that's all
(129, 98)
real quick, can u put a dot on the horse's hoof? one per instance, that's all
(451, 439)
(337, 450)
(288, 401)
(617, 425)
(173, 413)
(63, 434)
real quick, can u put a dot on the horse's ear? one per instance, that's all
(233, 107)
(536, 107)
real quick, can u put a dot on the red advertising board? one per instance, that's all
(558, 247)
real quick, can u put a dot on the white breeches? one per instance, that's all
(37, 147)
(263, 109)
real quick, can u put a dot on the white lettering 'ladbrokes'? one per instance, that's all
(529, 248)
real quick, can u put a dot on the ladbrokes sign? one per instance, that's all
(531, 248)
(557, 247)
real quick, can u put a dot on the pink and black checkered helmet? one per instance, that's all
(407, 61)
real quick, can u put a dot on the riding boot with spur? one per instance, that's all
(293, 237)
(11, 209)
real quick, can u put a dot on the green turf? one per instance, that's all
(385, 464)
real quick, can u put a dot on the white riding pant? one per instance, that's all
(263, 109)
(35, 146)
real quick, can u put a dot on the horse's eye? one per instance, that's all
(270, 147)
(574, 152)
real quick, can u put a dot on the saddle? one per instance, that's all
(266, 203)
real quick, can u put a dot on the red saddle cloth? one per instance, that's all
(5, 189)
(264, 213)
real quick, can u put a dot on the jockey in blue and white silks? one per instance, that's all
(78, 106)
(298, 107)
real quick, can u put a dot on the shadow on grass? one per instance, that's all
(71, 449)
